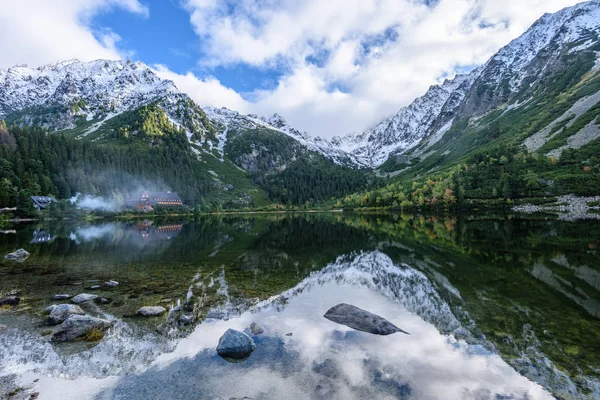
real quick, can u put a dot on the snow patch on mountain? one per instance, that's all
(421, 124)
(409, 126)
(232, 120)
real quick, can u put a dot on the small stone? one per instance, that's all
(256, 329)
(95, 287)
(83, 297)
(111, 283)
(62, 311)
(3, 327)
(235, 345)
(289, 334)
(76, 283)
(151, 311)
(10, 301)
(62, 297)
(102, 300)
(46, 332)
(164, 301)
(186, 319)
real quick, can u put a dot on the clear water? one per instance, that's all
(497, 308)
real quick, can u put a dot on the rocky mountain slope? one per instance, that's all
(543, 56)
(71, 94)
(124, 106)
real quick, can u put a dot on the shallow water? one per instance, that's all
(497, 308)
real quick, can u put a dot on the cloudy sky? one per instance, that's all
(330, 67)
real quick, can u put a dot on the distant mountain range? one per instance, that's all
(557, 55)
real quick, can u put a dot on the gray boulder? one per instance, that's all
(83, 297)
(256, 329)
(151, 311)
(19, 255)
(63, 296)
(10, 301)
(111, 283)
(61, 312)
(77, 326)
(361, 320)
(235, 345)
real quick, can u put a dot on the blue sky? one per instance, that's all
(329, 67)
(166, 37)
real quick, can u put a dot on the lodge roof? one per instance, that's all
(43, 201)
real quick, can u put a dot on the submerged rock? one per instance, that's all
(83, 297)
(19, 255)
(256, 329)
(111, 283)
(63, 296)
(327, 368)
(235, 345)
(10, 301)
(151, 311)
(77, 326)
(61, 312)
(3, 327)
(361, 320)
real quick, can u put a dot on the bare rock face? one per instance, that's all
(61, 312)
(235, 345)
(151, 311)
(361, 320)
(77, 326)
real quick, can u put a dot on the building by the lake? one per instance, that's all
(148, 201)
(41, 202)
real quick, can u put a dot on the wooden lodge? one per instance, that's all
(148, 201)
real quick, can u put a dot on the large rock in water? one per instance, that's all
(361, 320)
(235, 345)
(19, 255)
(61, 312)
(78, 325)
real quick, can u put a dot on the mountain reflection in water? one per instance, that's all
(493, 305)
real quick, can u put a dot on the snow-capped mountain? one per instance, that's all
(115, 85)
(523, 63)
(234, 121)
(408, 127)
(60, 95)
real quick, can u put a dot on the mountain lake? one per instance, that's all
(496, 307)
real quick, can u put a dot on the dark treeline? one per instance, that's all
(33, 162)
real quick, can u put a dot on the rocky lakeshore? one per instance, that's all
(568, 207)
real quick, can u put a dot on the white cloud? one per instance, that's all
(38, 32)
(206, 92)
(430, 43)
(362, 76)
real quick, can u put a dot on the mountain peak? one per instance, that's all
(525, 60)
